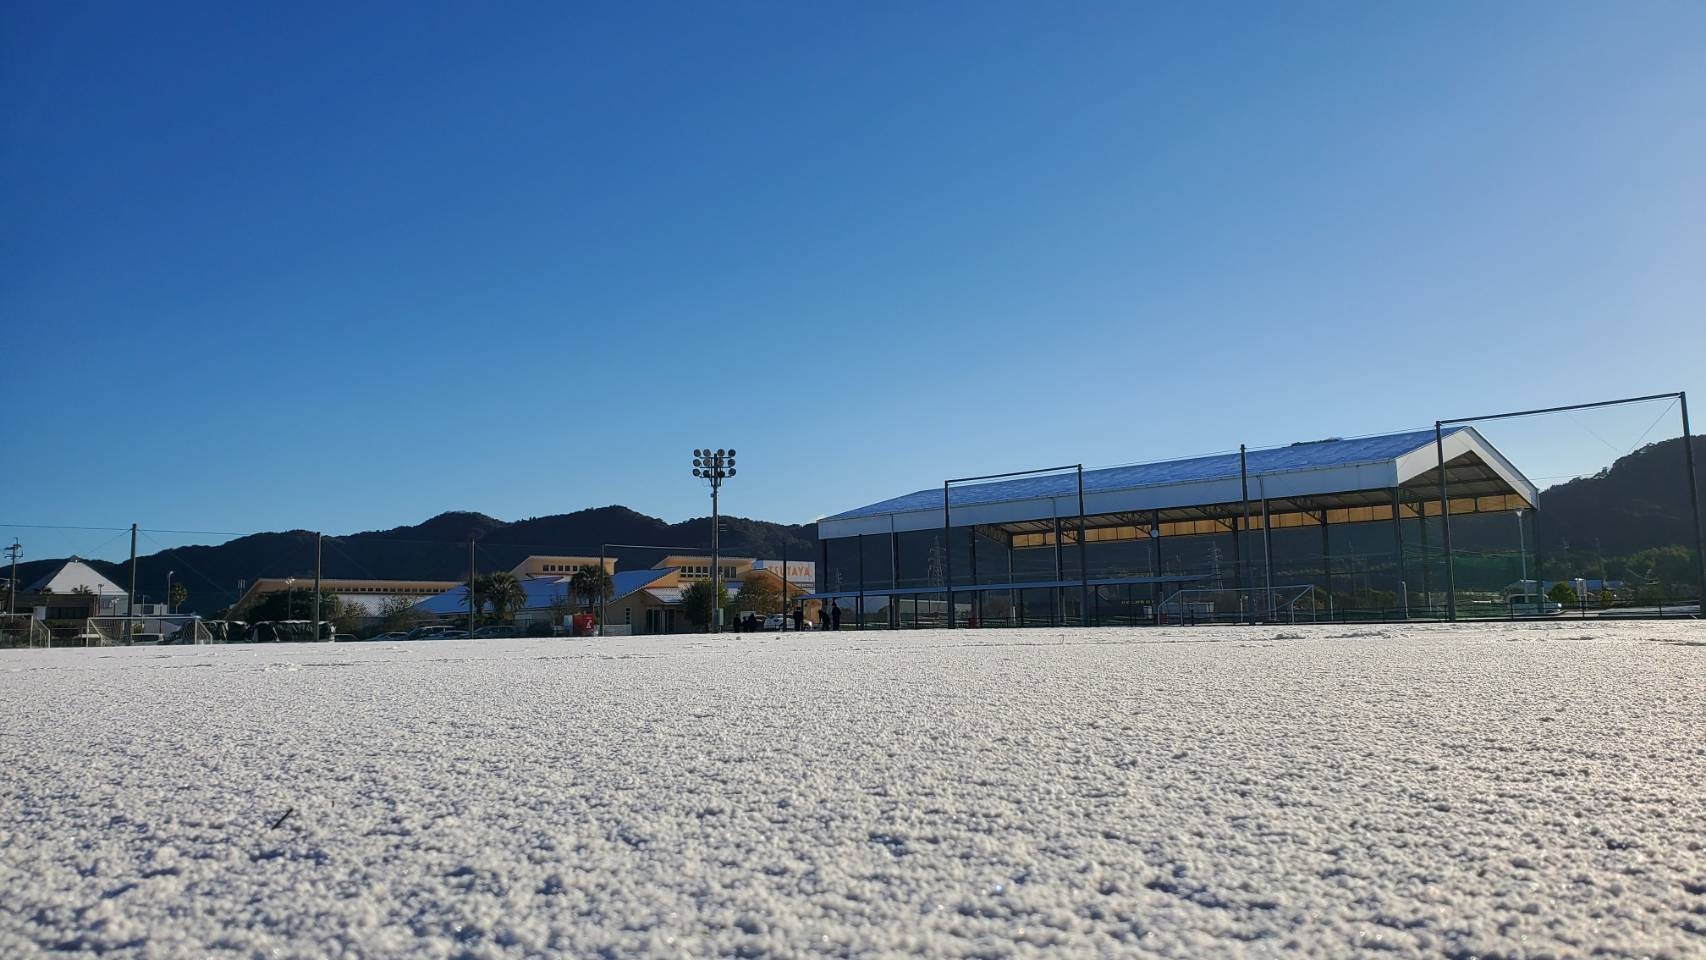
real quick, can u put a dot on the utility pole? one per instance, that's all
(471, 599)
(315, 606)
(11, 597)
(715, 466)
(130, 602)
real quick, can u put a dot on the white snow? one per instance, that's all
(1520, 790)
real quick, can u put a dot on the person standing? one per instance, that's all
(799, 617)
(822, 617)
(835, 614)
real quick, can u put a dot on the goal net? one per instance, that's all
(23, 630)
(1290, 603)
(135, 631)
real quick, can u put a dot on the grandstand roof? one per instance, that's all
(1333, 472)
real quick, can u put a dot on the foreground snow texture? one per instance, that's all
(1495, 791)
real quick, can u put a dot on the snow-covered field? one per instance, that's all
(1494, 791)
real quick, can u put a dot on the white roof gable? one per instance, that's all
(74, 574)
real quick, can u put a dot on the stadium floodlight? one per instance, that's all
(715, 467)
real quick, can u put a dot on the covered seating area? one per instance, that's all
(1336, 528)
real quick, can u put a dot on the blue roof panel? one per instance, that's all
(625, 582)
(541, 592)
(1299, 456)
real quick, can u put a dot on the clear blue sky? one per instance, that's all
(346, 266)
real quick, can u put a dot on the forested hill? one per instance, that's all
(1637, 503)
(1640, 501)
(436, 550)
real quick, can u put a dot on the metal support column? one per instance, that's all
(1155, 564)
(472, 600)
(977, 596)
(1238, 536)
(1083, 557)
(1056, 608)
(948, 556)
(1398, 553)
(1694, 498)
(1445, 525)
(1267, 558)
(859, 603)
(894, 577)
(1327, 561)
(602, 567)
(315, 606)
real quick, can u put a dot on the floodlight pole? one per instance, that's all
(1693, 498)
(715, 466)
(716, 562)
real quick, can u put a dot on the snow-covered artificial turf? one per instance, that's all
(1520, 790)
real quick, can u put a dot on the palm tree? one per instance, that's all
(590, 585)
(474, 596)
(505, 593)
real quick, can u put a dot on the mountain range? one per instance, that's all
(1638, 502)
(437, 549)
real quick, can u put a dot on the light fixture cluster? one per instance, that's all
(714, 465)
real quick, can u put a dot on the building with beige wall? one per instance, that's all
(539, 566)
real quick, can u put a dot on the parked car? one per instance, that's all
(496, 631)
(773, 622)
(431, 632)
(450, 635)
(344, 638)
(393, 636)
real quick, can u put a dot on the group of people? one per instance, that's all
(828, 618)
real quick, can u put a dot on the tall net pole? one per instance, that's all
(1694, 499)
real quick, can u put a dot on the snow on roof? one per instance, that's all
(1310, 469)
(1298, 456)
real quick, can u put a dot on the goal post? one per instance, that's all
(1292, 603)
(149, 631)
(24, 630)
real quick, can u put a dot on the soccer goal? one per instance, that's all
(139, 631)
(23, 630)
(1290, 603)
